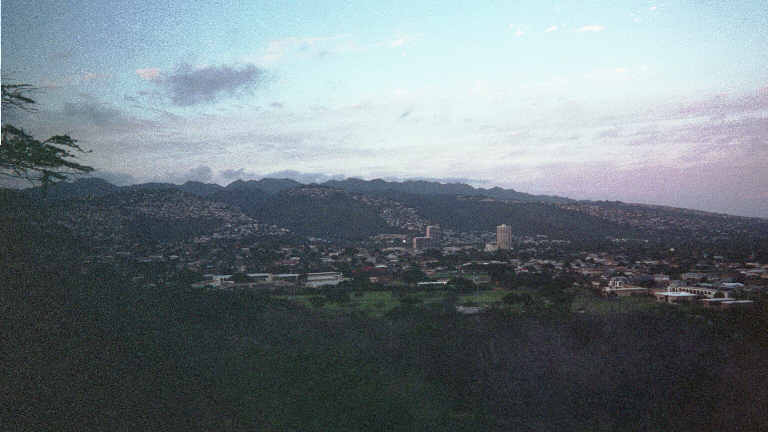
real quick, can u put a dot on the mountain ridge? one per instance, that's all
(97, 186)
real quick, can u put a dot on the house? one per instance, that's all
(674, 297)
(702, 291)
(619, 286)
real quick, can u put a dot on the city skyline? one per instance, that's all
(649, 102)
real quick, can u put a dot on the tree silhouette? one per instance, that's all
(24, 157)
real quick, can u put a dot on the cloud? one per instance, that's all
(608, 133)
(91, 112)
(230, 174)
(277, 49)
(591, 28)
(303, 177)
(72, 80)
(114, 177)
(191, 86)
(444, 180)
(551, 29)
(201, 173)
(397, 42)
(93, 76)
(719, 186)
(518, 31)
(148, 74)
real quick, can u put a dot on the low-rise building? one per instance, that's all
(315, 280)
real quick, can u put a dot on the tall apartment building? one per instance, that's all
(430, 241)
(422, 243)
(504, 236)
(433, 232)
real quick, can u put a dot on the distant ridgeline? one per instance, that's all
(356, 209)
(97, 187)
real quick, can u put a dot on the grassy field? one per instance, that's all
(591, 304)
(378, 303)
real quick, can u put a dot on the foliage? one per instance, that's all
(24, 157)
(462, 284)
(15, 96)
(339, 296)
(317, 301)
(92, 352)
(515, 298)
(413, 275)
(240, 278)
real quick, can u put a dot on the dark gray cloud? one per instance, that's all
(191, 86)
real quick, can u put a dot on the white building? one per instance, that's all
(315, 280)
(504, 237)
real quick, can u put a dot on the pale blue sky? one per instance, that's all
(650, 101)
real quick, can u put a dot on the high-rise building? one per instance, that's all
(421, 243)
(433, 232)
(430, 241)
(504, 236)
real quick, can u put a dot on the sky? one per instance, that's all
(661, 102)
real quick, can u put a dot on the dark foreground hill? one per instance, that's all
(94, 352)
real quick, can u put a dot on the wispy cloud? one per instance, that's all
(591, 28)
(551, 29)
(91, 112)
(279, 48)
(518, 30)
(323, 46)
(148, 73)
(72, 80)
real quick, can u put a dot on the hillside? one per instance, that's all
(464, 213)
(671, 221)
(354, 209)
(323, 212)
(144, 215)
(421, 187)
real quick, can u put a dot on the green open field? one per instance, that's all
(378, 303)
(591, 304)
